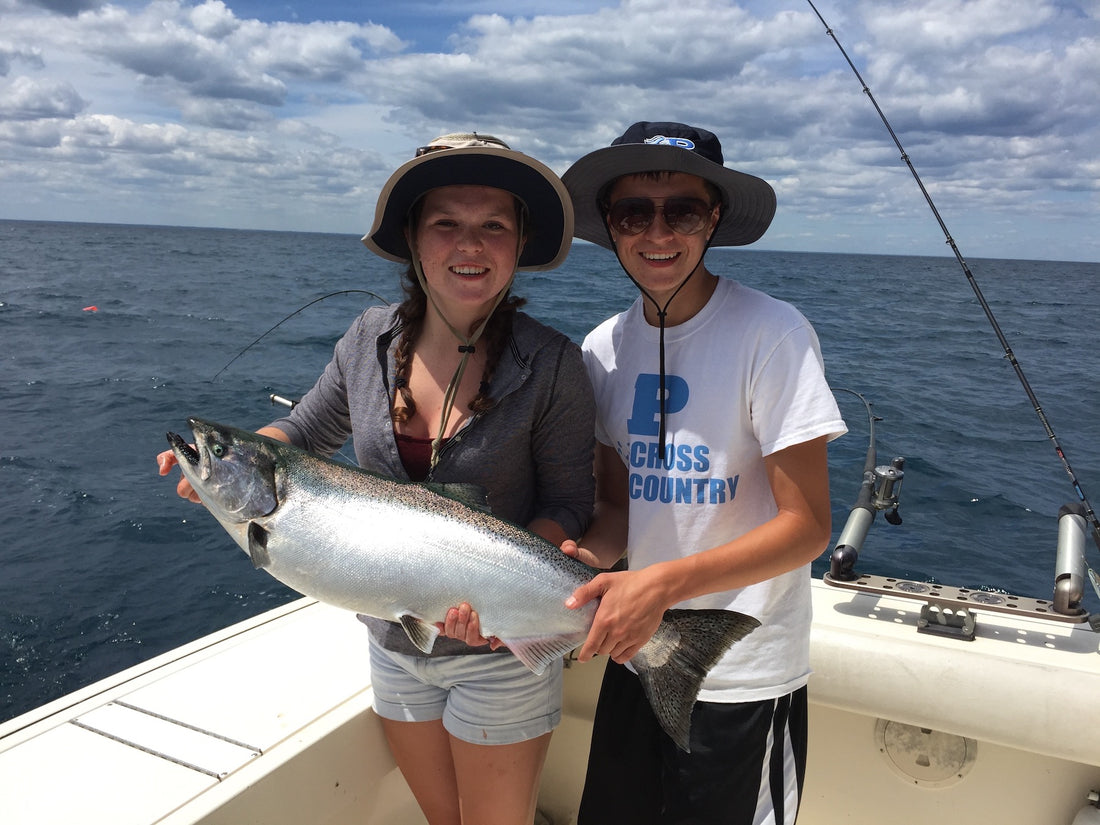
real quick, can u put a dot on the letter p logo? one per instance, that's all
(644, 418)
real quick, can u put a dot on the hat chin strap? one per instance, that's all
(662, 314)
(466, 342)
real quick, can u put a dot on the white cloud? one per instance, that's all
(28, 99)
(10, 53)
(321, 51)
(948, 26)
(161, 44)
(238, 121)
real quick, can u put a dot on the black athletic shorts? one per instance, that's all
(745, 758)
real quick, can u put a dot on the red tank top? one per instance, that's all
(416, 455)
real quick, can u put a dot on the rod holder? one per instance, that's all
(1069, 567)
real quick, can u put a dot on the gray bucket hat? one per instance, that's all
(748, 202)
(477, 160)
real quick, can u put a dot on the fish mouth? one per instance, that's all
(183, 450)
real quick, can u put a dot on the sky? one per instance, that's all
(291, 115)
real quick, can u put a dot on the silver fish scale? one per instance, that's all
(393, 549)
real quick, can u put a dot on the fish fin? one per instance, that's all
(673, 664)
(257, 546)
(421, 633)
(538, 653)
(472, 495)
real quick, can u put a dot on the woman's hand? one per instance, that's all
(463, 623)
(165, 462)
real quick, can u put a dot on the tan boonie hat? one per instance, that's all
(473, 159)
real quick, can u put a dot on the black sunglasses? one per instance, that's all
(685, 216)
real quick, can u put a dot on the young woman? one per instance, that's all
(454, 384)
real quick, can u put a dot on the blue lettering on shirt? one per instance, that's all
(684, 458)
(679, 490)
(645, 417)
(680, 475)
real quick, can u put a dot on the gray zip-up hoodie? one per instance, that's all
(532, 452)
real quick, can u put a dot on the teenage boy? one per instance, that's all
(713, 419)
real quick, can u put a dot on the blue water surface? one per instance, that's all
(102, 566)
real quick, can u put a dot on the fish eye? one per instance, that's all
(218, 450)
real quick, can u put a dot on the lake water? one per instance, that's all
(102, 566)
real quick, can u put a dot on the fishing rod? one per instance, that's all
(1089, 513)
(278, 400)
(291, 315)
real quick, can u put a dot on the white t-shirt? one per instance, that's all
(744, 378)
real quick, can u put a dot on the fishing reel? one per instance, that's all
(887, 488)
(880, 492)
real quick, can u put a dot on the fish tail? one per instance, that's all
(673, 664)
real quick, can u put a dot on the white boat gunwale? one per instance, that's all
(1019, 698)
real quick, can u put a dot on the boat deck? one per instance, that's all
(270, 721)
(170, 738)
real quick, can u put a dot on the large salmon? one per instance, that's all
(407, 552)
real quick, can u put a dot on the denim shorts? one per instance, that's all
(485, 699)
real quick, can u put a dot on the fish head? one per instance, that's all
(233, 471)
